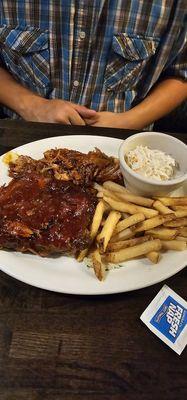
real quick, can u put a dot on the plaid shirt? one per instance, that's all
(105, 54)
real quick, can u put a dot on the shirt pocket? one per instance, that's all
(25, 53)
(128, 60)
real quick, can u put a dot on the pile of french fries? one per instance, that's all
(126, 226)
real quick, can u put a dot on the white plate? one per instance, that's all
(65, 274)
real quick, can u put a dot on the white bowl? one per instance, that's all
(154, 140)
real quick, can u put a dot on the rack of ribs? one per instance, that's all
(45, 216)
(48, 206)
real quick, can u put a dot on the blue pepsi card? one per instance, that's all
(166, 316)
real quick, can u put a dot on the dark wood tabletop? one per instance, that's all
(55, 346)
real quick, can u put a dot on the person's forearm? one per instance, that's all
(164, 98)
(33, 107)
(14, 95)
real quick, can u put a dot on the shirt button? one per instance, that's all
(76, 83)
(82, 35)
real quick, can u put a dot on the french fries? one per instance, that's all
(123, 244)
(183, 231)
(107, 230)
(135, 251)
(82, 255)
(119, 190)
(105, 192)
(153, 256)
(96, 222)
(129, 207)
(99, 267)
(181, 213)
(131, 198)
(100, 209)
(161, 207)
(112, 186)
(163, 233)
(129, 221)
(125, 234)
(153, 222)
(184, 239)
(174, 245)
(126, 226)
(176, 223)
(173, 201)
(176, 208)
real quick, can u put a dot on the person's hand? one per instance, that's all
(109, 119)
(64, 112)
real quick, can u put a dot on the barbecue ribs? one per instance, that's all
(70, 165)
(45, 216)
(49, 205)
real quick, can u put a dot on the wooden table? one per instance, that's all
(55, 346)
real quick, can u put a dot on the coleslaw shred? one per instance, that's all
(151, 163)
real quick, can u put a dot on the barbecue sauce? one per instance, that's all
(45, 216)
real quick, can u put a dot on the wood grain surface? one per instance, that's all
(55, 346)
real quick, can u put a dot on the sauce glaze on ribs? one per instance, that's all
(49, 205)
(45, 216)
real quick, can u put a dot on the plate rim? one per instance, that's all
(98, 293)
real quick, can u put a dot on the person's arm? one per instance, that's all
(165, 97)
(32, 107)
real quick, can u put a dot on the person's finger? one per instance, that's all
(65, 122)
(62, 119)
(84, 111)
(92, 120)
(95, 124)
(75, 118)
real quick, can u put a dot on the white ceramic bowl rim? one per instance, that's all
(140, 177)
